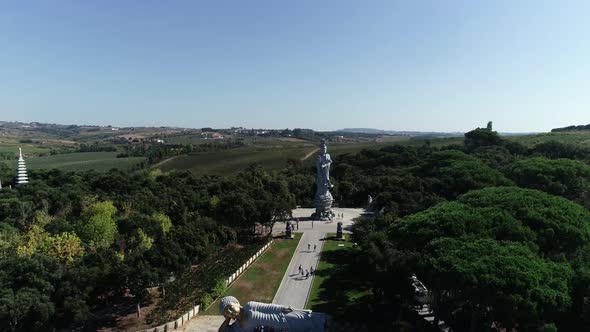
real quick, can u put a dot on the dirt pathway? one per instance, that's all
(163, 162)
(310, 154)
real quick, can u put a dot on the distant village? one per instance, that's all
(136, 135)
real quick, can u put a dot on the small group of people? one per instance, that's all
(339, 215)
(306, 273)
(309, 247)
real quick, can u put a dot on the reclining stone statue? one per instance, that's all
(265, 317)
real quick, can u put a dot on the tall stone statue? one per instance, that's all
(323, 197)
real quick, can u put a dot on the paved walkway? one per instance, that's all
(294, 288)
(204, 324)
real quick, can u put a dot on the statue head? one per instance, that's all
(230, 307)
(323, 147)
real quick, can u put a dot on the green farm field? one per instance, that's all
(99, 161)
(581, 138)
(11, 146)
(270, 157)
(231, 161)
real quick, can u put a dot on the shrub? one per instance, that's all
(206, 301)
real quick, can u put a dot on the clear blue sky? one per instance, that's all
(402, 65)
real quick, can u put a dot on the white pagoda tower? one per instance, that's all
(21, 173)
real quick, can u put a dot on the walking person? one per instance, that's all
(306, 274)
(314, 246)
(311, 270)
(300, 268)
(309, 247)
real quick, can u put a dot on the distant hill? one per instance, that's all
(362, 131)
(373, 131)
(572, 128)
(32, 130)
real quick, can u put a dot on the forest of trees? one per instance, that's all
(572, 128)
(499, 233)
(74, 244)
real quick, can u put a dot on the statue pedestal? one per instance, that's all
(323, 206)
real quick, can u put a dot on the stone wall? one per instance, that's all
(178, 323)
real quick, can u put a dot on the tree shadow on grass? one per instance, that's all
(344, 293)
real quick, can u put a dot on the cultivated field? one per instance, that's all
(12, 145)
(270, 157)
(99, 161)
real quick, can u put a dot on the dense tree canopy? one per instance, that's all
(563, 177)
(501, 254)
(71, 244)
(491, 253)
(503, 282)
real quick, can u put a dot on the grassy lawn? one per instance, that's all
(100, 161)
(336, 288)
(263, 278)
